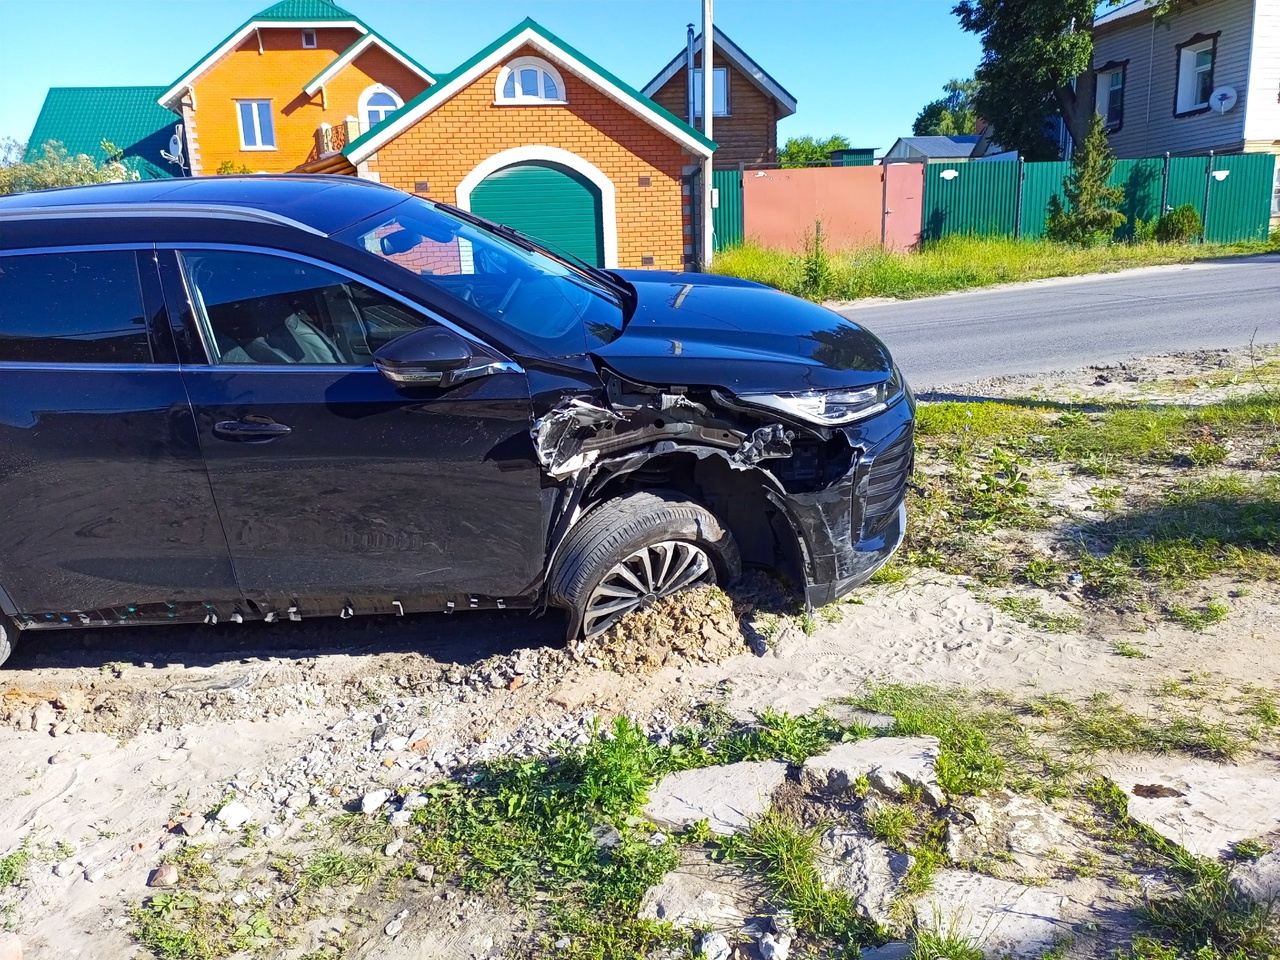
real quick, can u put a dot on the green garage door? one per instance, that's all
(546, 201)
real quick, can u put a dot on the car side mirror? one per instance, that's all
(433, 356)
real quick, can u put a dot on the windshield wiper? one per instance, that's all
(606, 278)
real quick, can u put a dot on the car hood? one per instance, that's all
(705, 330)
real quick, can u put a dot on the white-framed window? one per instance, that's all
(376, 104)
(529, 80)
(720, 87)
(257, 129)
(1110, 85)
(308, 39)
(1195, 73)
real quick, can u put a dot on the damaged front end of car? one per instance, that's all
(822, 504)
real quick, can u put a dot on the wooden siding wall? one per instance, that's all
(1150, 127)
(278, 74)
(749, 134)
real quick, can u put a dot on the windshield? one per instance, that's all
(563, 310)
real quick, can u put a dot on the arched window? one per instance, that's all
(529, 80)
(376, 104)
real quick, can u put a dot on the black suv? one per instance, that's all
(225, 399)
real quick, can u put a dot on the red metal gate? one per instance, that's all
(903, 205)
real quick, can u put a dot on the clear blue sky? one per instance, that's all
(862, 68)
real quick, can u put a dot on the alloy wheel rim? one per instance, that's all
(638, 580)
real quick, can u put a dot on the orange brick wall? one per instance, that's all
(444, 146)
(279, 74)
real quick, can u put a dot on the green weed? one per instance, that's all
(1029, 611)
(931, 945)
(13, 867)
(1200, 618)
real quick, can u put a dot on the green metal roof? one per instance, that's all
(444, 80)
(80, 118)
(304, 10)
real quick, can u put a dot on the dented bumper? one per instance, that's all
(850, 529)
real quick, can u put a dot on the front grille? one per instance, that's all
(887, 483)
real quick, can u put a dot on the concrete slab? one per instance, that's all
(729, 798)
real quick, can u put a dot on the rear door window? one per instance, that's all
(79, 307)
(261, 308)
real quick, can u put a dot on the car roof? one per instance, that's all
(317, 203)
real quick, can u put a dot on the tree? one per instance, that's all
(12, 151)
(1090, 215)
(952, 115)
(57, 168)
(1037, 62)
(810, 152)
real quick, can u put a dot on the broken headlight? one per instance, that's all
(830, 408)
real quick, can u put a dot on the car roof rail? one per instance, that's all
(190, 211)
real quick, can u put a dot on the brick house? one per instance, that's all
(747, 103)
(528, 132)
(531, 132)
(280, 88)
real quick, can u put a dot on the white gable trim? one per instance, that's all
(238, 37)
(354, 51)
(735, 55)
(529, 37)
(608, 196)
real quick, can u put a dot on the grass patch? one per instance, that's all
(1029, 611)
(931, 945)
(13, 867)
(1198, 618)
(785, 855)
(951, 263)
(180, 926)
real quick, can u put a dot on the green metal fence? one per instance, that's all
(1002, 198)
(726, 219)
(972, 198)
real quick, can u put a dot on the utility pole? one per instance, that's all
(708, 109)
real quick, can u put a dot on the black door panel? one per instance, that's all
(104, 499)
(371, 490)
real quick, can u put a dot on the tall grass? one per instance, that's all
(952, 263)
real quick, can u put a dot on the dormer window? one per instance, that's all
(529, 80)
(308, 39)
(376, 104)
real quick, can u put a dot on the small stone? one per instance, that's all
(165, 875)
(43, 717)
(424, 872)
(234, 814)
(563, 943)
(373, 801)
(713, 946)
(775, 946)
(392, 848)
(606, 836)
(415, 801)
(272, 830)
(401, 818)
(396, 925)
(95, 874)
(517, 682)
(396, 744)
(64, 869)
(297, 801)
(191, 826)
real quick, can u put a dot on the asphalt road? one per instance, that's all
(1074, 322)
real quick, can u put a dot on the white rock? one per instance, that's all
(718, 896)
(890, 764)
(64, 869)
(396, 744)
(396, 925)
(415, 801)
(1202, 806)
(234, 814)
(191, 826)
(373, 800)
(713, 946)
(401, 818)
(1002, 917)
(1259, 880)
(730, 797)
(424, 872)
(868, 871)
(775, 946)
(296, 801)
(392, 848)
(272, 830)
(900, 950)
(43, 717)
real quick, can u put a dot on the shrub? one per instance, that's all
(1179, 225)
(57, 168)
(1090, 215)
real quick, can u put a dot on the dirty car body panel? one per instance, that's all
(314, 470)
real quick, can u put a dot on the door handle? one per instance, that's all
(251, 429)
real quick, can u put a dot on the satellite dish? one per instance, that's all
(949, 174)
(174, 153)
(1223, 99)
(175, 145)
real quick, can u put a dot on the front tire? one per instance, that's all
(628, 552)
